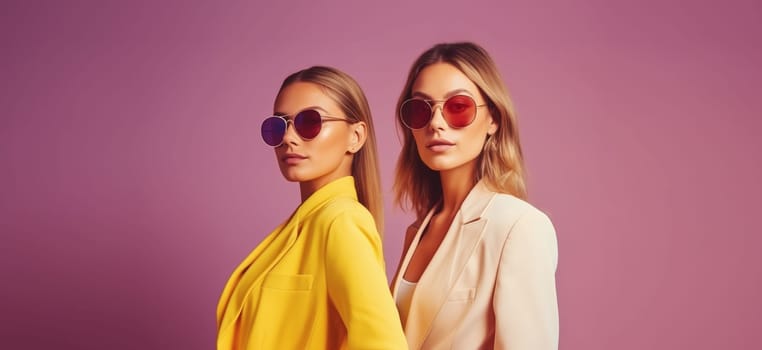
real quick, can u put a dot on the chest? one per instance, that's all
(428, 245)
(304, 256)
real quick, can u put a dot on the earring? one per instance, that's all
(489, 143)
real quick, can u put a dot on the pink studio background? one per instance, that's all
(133, 178)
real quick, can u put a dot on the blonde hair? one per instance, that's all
(345, 91)
(500, 163)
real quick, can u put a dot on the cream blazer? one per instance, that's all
(491, 283)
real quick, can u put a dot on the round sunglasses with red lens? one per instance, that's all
(307, 124)
(458, 111)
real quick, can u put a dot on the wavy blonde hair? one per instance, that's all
(345, 91)
(500, 164)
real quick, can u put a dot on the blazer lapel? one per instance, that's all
(262, 259)
(471, 228)
(463, 247)
(446, 265)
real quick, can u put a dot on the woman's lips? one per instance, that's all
(293, 158)
(440, 145)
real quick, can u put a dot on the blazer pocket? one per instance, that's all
(288, 282)
(465, 294)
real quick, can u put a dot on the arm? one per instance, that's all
(526, 309)
(357, 283)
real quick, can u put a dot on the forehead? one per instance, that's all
(302, 95)
(440, 79)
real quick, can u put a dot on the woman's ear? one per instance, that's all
(493, 126)
(359, 133)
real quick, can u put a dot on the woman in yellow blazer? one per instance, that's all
(478, 266)
(318, 280)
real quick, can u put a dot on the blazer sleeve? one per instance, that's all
(357, 284)
(525, 304)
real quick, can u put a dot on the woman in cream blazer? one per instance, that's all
(478, 266)
(317, 281)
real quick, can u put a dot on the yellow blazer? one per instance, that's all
(317, 282)
(491, 283)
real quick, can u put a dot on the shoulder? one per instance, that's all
(343, 217)
(343, 208)
(514, 213)
(414, 226)
(410, 232)
(346, 225)
(521, 231)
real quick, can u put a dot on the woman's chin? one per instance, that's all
(293, 176)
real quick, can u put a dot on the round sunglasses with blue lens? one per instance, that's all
(307, 124)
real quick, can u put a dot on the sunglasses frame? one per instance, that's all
(290, 119)
(433, 106)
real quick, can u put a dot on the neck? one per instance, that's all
(307, 188)
(456, 184)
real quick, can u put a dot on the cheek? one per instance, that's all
(476, 134)
(419, 139)
(474, 146)
(474, 138)
(330, 143)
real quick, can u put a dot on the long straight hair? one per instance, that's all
(345, 91)
(500, 163)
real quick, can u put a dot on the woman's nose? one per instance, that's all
(437, 118)
(290, 135)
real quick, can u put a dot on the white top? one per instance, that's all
(404, 297)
